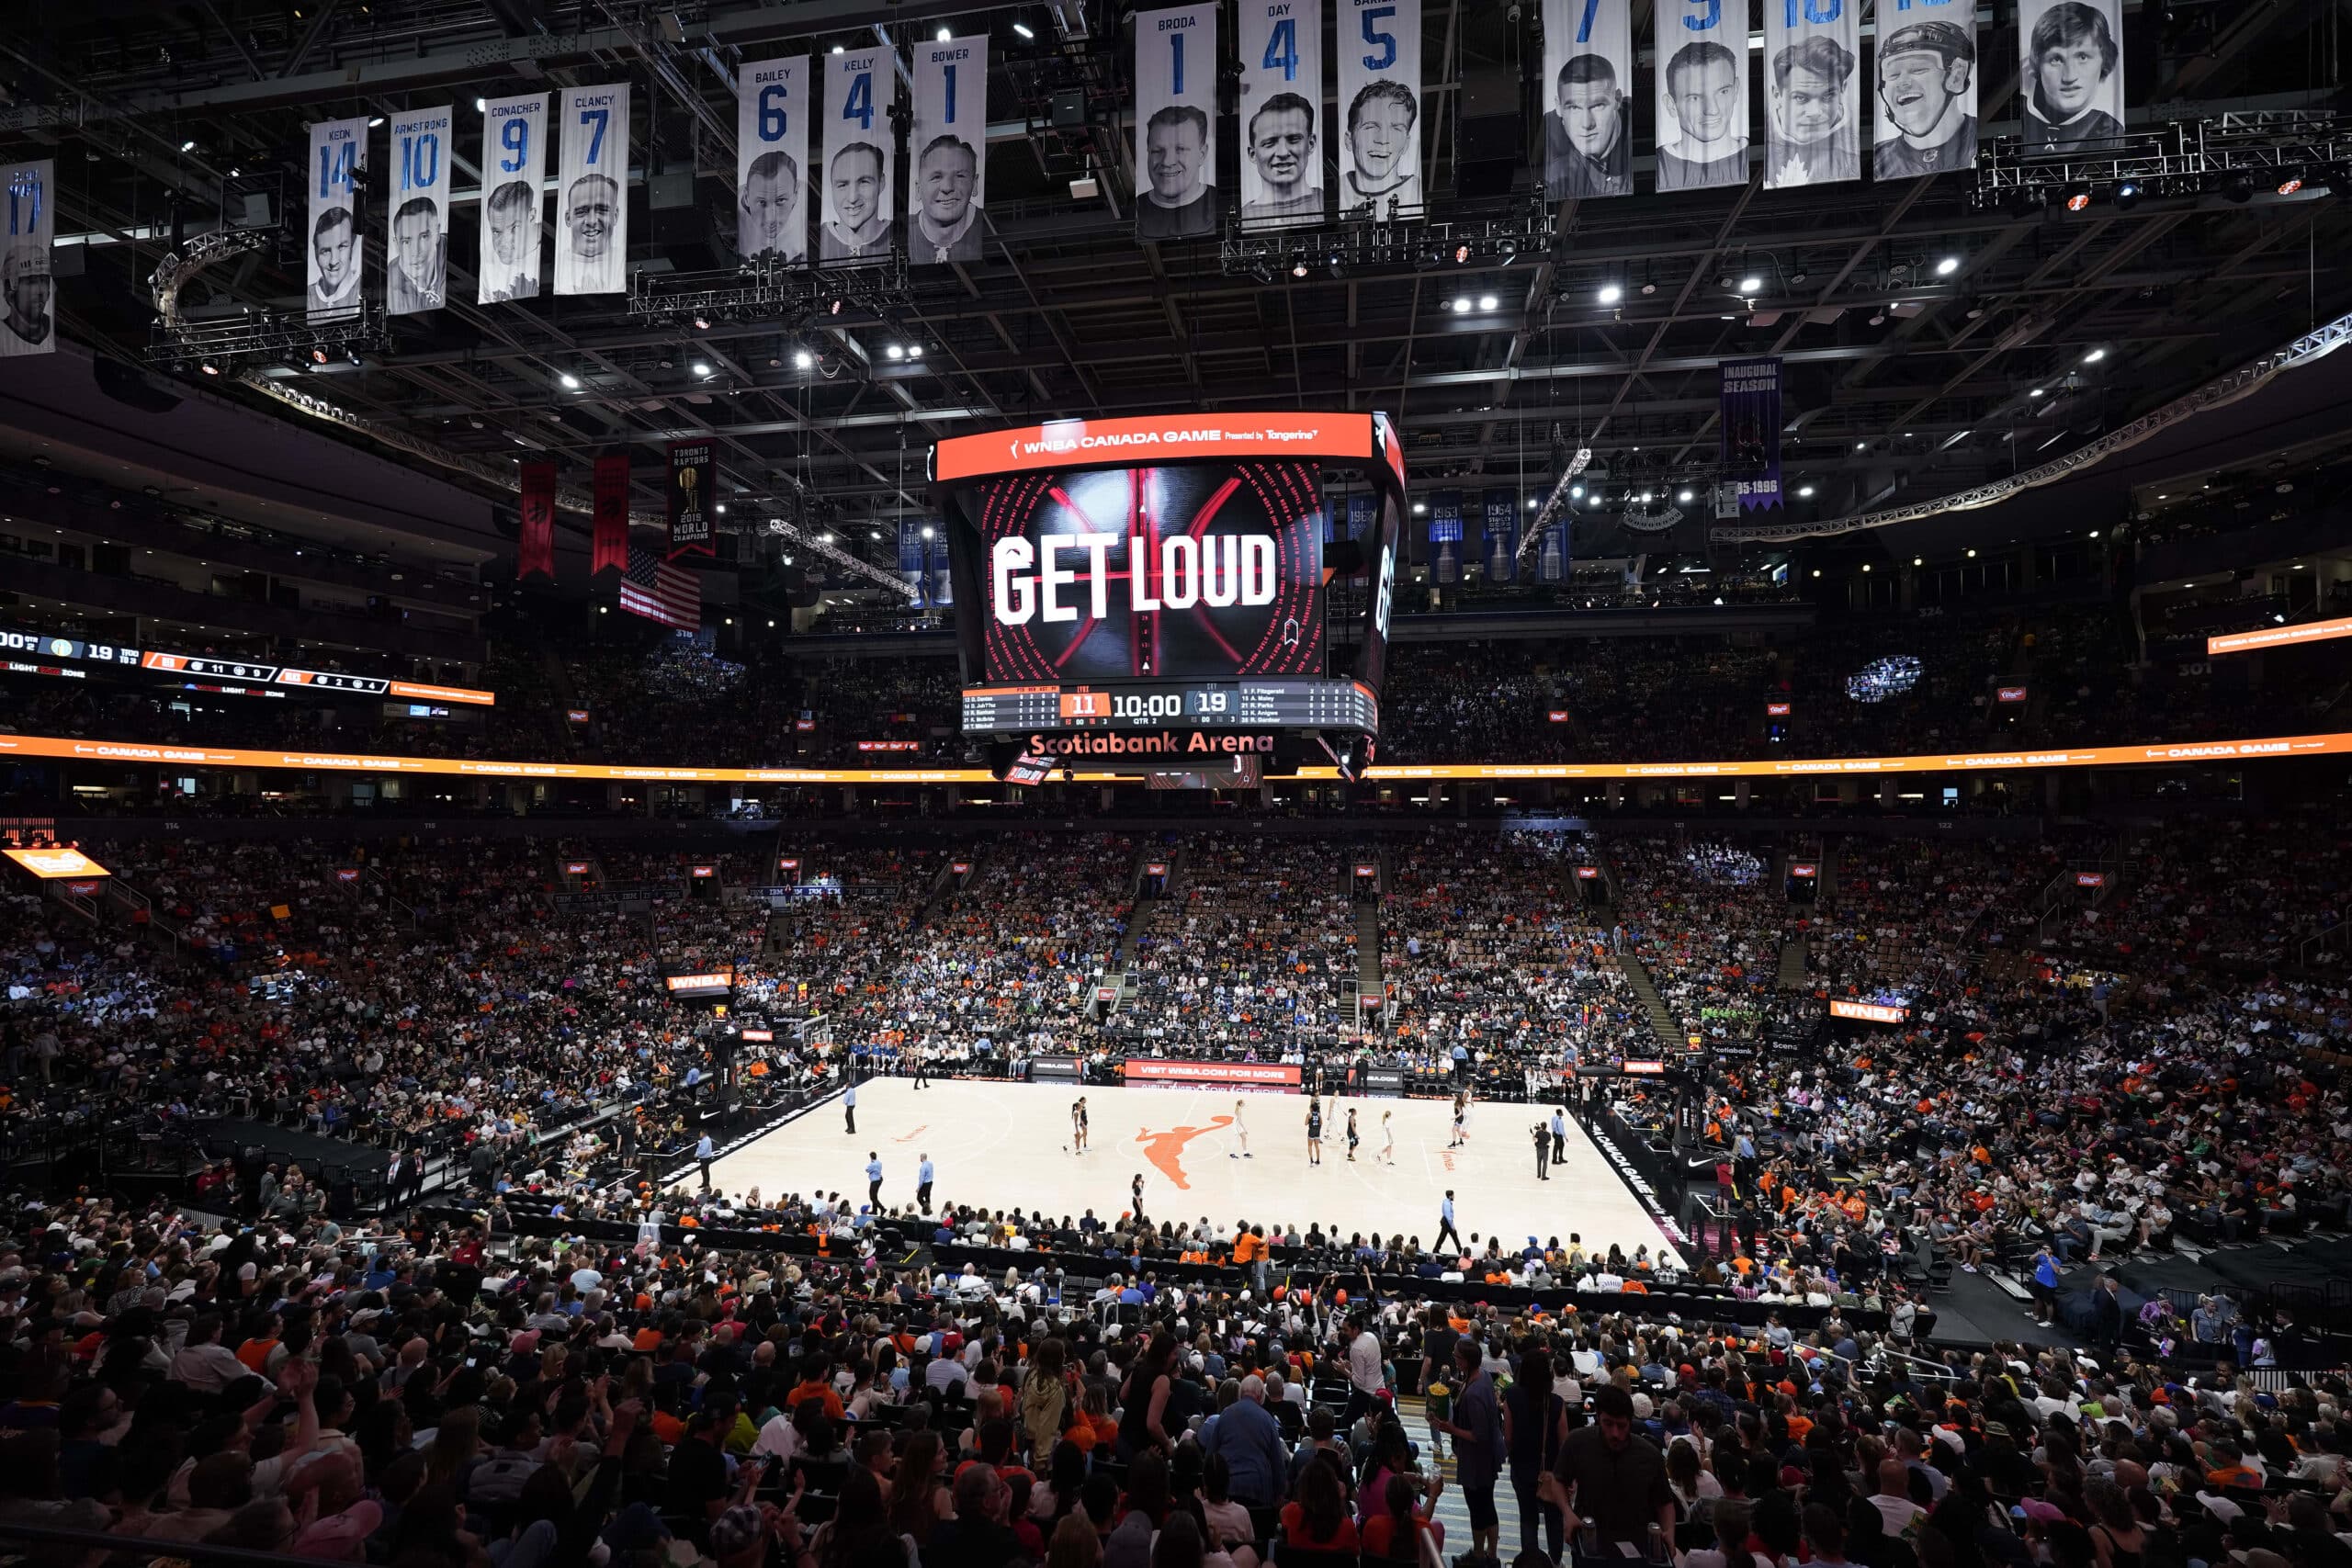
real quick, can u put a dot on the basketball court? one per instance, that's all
(999, 1145)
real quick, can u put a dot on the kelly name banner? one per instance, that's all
(690, 499)
(26, 286)
(860, 87)
(771, 112)
(591, 192)
(535, 547)
(514, 164)
(1750, 416)
(338, 154)
(1445, 536)
(1502, 535)
(2071, 68)
(950, 159)
(1588, 98)
(1926, 82)
(1701, 94)
(1380, 106)
(1176, 123)
(417, 269)
(1283, 138)
(611, 537)
(1813, 114)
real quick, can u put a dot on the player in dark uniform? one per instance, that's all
(1137, 1188)
(1078, 1125)
(1352, 1132)
(1315, 1131)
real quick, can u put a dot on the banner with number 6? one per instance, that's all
(591, 192)
(772, 160)
(1283, 138)
(1588, 98)
(860, 87)
(514, 163)
(1379, 109)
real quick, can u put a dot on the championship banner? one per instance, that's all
(1811, 92)
(514, 163)
(1283, 138)
(1926, 97)
(26, 286)
(1552, 561)
(416, 268)
(1361, 504)
(1587, 86)
(912, 567)
(772, 160)
(591, 192)
(1502, 535)
(1445, 537)
(611, 537)
(860, 85)
(1702, 94)
(1749, 414)
(2071, 68)
(338, 154)
(943, 591)
(949, 162)
(1380, 100)
(535, 549)
(1176, 123)
(691, 475)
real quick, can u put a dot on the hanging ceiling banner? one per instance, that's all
(1445, 537)
(591, 228)
(1380, 104)
(772, 160)
(1587, 88)
(690, 497)
(1502, 535)
(1702, 93)
(534, 547)
(514, 166)
(610, 542)
(950, 164)
(338, 154)
(1750, 416)
(860, 87)
(2072, 69)
(1812, 112)
(27, 288)
(1175, 152)
(1925, 80)
(1283, 135)
(416, 264)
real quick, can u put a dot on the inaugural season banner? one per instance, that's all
(1749, 417)
(30, 324)
(2071, 71)
(1502, 535)
(1176, 195)
(610, 540)
(1926, 83)
(950, 151)
(691, 473)
(1379, 109)
(1813, 114)
(1445, 537)
(416, 273)
(1282, 134)
(1702, 93)
(860, 85)
(338, 154)
(1588, 98)
(535, 547)
(514, 163)
(591, 192)
(771, 159)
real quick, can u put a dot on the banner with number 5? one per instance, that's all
(591, 192)
(1588, 98)
(860, 87)
(772, 160)
(1702, 93)
(513, 161)
(1176, 194)
(1379, 109)
(1284, 137)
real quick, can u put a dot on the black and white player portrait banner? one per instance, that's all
(1587, 106)
(2072, 71)
(1813, 99)
(416, 273)
(771, 113)
(338, 154)
(860, 87)
(1283, 137)
(1926, 83)
(1702, 93)
(1379, 44)
(949, 157)
(26, 290)
(513, 161)
(1176, 117)
(592, 191)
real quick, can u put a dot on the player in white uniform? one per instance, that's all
(1240, 1134)
(1387, 1138)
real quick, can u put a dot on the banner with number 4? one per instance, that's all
(1283, 140)
(860, 85)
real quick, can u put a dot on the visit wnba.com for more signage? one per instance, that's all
(1237, 1073)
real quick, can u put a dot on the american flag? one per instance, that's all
(652, 586)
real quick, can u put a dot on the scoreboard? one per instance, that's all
(1144, 704)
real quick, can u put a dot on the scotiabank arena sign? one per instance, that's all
(1155, 743)
(1154, 1071)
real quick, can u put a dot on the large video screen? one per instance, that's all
(1191, 571)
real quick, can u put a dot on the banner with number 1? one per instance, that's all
(1176, 194)
(948, 160)
(591, 194)
(1283, 138)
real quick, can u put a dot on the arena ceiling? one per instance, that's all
(1904, 376)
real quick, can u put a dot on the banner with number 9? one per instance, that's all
(1284, 137)
(771, 159)
(591, 192)
(1701, 94)
(514, 166)
(1380, 140)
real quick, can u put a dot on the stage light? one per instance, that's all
(1972, 554)
(190, 145)
(702, 367)
(1576, 492)
(1023, 29)
(914, 351)
(571, 382)
(2127, 195)
(2238, 187)
(895, 352)
(1861, 446)
(376, 123)
(2290, 185)
(804, 360)
(481, 105)
(1298, 268)
(1683, 496)
(1947, 266)
(2079, 196)
(1461, 304)
(1610, 293)
(2036, 392)
(1461, 253)
(1487, 301)
(1507, 248)
(2094, 357)
(1418, 509)
(318, 356)
(926, 530)
(1750, 284)
(838, 49)
(210, 368)
(945, 33)
(702, 322)
(1804, 492)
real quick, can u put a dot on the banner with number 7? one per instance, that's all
(592, 191)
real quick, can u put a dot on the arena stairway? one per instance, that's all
(1664, 1027)
(1793, 972)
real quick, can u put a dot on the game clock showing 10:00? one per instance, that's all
(1205, 704)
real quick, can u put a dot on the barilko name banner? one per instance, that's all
(514, 163)
(591, 192)
(1176, 117)
(1588, 98)
(1379, 109)
(416, 268)
(772, 160)
(950, 152)
(1282, 136)
(338, 154)
(860, 85)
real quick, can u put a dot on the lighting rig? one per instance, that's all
(2277, 154)
(1372, 246)
(221, 345)
(770, 288)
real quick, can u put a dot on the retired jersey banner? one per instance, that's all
(591, 192)
(1702, 93)
(860, 87)
(513, 161)
(1282, 136)
(691, 477)
(771, 112)
(611, 537)
(1552, 562)
(1812, 112)
(2072, 73)
(1502, 535)
(1588, 98)
(1445, 537)
(1362, 505)
(338, 155)
(1926, 82)
(535, 547)
(1379, 109)
(417, 269)
(913, 571)
(1176, 195)
(949, 162)
(26, 286)
(1750, 418)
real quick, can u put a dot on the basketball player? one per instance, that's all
(1078, 1124)
(1315, 1131)
(1460, 1116)
(1387, 1138)
(1352, 1140)
(1240, 1134)
(922, 1065)
(1136, 1187)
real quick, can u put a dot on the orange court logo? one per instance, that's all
(1165, 1150)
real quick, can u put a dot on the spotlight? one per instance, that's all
(1461, 254)
(1298, 269)
(837, 303)
(926, 530)
(1507, 248)
(702, 322)
(895, 352)
(1461, 304)
(1610, 293)
(571, 382)
(1804, 492)
(702, 367)
(1331, 265)
(914, 351)
(2036, 392)
(318, 356)
(1750, 284)
(2292, 182)
(1576, 492)
(1683, 496)
(376, 123)
(1487, 301)
(1420, 508)
(2127, 195)
(946, 33)
(481, 106)
(1972, 307)
(1022, 28)
(1430, 258)
(2079, 196)
(190, 145)
(1947, 266)
(2238, 187)
(804, 360)
(210, 368)
(2094, 357)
